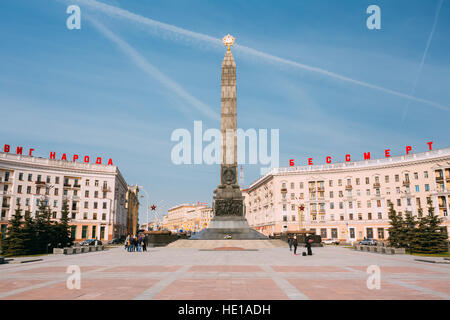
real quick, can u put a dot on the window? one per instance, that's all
(94, 216)
(292, 196)
(380, 233)
(301, 185)
(103, 216)
(95, 194)
(369, 216)
(350, 204)
(30, 177)
(95, 205)
(416, 175)
(340, 182)
(332, 217)
(417, 188)
(105, 203)
(380, 215)
(18, 201)
(28, 189)
(368, 192)
(331, 194)
(408, 201)
(358, 203)
(379, 203)
(74, 215)
(75, 192)
(369, 233)
(285, 218)
(323, 233)
(301, 196)
(367, 180)
(104, 195)
(284, 207)
(358, 192)
(27, 201)
(292, 185)
(399, 203)
(342, 218)
(293, 217)
(331, 183)
(96, 183)
(54, 214)
(427, 187)
(350, 216)
(48, 179)
(19, 189)
(334, 233)
(56, 191)
(86, 205)
(292, 206)
(85, 216)
(65, 192)
(331, 205)
(38, 190)
(314, 217)
(341, 194)
(360, 216)
(87, 183)
(418, 202)
(357, 181)
(369, 203)
(84, 232)
(55, 203)
(57, 180)
(397, 178)
(425, 174)
(352, 233)
(21, 176)
(341, 205)
(39, 177)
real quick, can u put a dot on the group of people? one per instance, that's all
(293, 242)
(136, 243)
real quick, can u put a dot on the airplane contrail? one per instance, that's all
(152, 71)
(176, 32)
(422, 62)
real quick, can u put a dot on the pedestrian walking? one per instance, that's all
(127, 242)
(295, 244)
(290, 243)
(144, 244)
(308, 241)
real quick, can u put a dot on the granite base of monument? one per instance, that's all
(233, 228)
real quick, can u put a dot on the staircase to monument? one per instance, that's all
(230, 244)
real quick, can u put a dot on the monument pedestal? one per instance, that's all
(222, 227)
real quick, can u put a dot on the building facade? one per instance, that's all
(132, 205)
(351, 200)
(188, 217)
(95, 193)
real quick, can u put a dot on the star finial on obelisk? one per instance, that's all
(228, 41)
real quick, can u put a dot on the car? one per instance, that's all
(331, 241)
(368, 242)
(90, 242)
(116, 241)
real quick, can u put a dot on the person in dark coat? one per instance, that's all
(144, 244)
(308, 241)
(290, 243)
(295, 244)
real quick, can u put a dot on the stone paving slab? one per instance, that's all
(188, 273)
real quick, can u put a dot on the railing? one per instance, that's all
(67, 185)
(77, 186)
(348, 187)
(376, 185)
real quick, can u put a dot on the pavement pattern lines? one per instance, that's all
(270, 273)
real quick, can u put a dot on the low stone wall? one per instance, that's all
(379, 249)
(76, 250)
(163, 238)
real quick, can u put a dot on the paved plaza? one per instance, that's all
(227, 272)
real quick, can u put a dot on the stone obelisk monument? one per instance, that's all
(228, 205)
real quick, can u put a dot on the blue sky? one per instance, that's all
(78, 91)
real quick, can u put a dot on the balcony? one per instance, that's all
(283, 190)
(40, 183)
(348, 187)
(67, 185)
(376, 185)
(440, 178)
(321, 189)
(77, 186)
(5, 205)
(406, 183)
